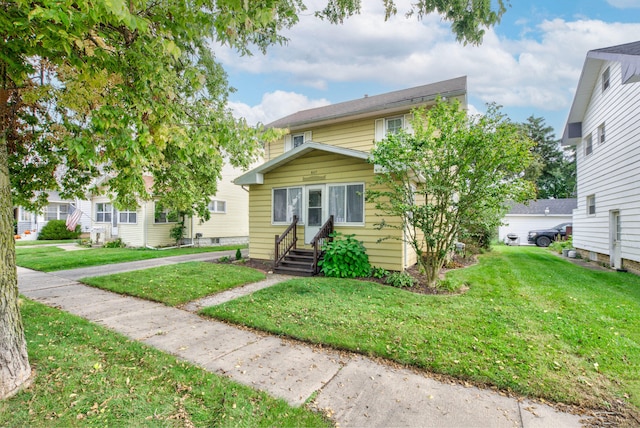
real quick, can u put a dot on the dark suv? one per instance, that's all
(544, 237)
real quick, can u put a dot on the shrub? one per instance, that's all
(116, 243)
(400, 280)
(378, 272)
(177, 232)
(238, 254)
(57, 229)
(344, 258)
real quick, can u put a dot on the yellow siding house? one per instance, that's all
(320, 169)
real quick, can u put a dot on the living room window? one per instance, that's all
(346, 203)
(286, 202)
(103, 212)
(127, 217)
(164, 215)
(56, 212)
(591, 205)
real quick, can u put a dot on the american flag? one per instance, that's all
(73, 218)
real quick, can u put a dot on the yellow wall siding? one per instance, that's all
(319, 168)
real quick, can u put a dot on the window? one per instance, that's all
(295, 140)
(164, 215)
(601, 136)
(217, 206)
(346, 203)
(56, 212)
(25, 215)
(606, 79)
(103, 212)
(130, 217)
(588, 145)
(287, 202)
(393, 125)
(591, 205)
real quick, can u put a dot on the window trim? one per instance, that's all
(588, 145)
(215, 203)
(166, 212)
(289, 139)
(128, 214)
(364, 208)
(602, 132)
(606, 79)
(591, 203)
(104, 212)
(302, 205)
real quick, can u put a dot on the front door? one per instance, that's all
(615, 229)
(315, 212)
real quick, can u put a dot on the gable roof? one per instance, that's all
(369, 105)
(256, 175)
(629, 57)
(555, 206)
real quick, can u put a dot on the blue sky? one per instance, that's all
(530, 63)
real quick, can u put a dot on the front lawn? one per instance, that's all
(49, 259)
(87, 375)
(26, 242)
(530, 322)
(176, 284)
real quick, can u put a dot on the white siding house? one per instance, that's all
(540, 214)
(29, 224)
(604, 126)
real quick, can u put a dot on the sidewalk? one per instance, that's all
(354, 390)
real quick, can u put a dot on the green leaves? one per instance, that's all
(345, 257)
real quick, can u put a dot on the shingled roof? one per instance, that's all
(397, 100)
(556, 207)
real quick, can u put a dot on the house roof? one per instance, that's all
(256, 175)
(555, 206)
(369, 105)
(629, 57)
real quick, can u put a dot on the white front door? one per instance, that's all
(615, 229)
(315, 217)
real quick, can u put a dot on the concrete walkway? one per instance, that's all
(354, 390)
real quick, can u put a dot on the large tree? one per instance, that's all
(452, 171)
(553, 169)
(126, 88)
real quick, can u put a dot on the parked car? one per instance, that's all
(544, 237)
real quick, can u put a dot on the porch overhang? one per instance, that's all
(256, 175)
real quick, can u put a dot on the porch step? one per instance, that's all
(297, 263)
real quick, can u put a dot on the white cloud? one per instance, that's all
(537, 69)
(624, 4)
(274, 105)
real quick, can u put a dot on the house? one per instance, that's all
(540, 214)
(150, 224)
(603, 125)
(320, 171)
(29, 224)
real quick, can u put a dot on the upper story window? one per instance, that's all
(591, 205)
(218, 206)
(601, 134)
(393, 125)
(56, 212)
(103, 212)
(588, 145)
(128, 217)
(292, 141)
(606, 79)
(164, 215)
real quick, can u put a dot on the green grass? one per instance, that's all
(49, 259)
(90, 376)
(177, 284)
(22, 243)
(531, 323)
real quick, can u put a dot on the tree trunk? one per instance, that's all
(15, 372)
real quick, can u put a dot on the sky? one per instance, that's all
(529, 64)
